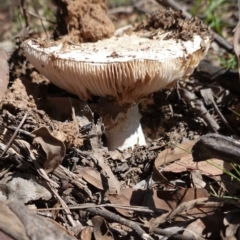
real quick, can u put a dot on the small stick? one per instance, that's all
(114, 217)
(92, 205)
(26, 133)
(14, 135)
(207, 94)
(35, 7)
(52, 185)
(199, 109)
(25, 13)
(153, 223)
(39, 17)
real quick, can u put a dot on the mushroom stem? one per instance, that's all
(123, 127)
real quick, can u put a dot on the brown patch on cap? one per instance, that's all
(181, 27)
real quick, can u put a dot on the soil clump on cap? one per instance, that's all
(82, 21)
(174, 21)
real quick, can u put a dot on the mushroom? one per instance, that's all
(123, 69)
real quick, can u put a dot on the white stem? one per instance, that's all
(125, 129)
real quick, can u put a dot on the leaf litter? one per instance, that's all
(59, 167)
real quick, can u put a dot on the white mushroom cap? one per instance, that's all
(126, 67)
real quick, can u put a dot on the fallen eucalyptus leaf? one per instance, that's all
(113, 184)
(100, 229)
(86, 233)
(54, 148)
(170, 155)
(94, 177)
(11, 224)
(34, 226)
(213, 167)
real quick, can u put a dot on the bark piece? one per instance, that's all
(216, 146)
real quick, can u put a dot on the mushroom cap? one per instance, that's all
(127, 66)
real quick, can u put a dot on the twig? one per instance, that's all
(134, 169)
(39, 17)
(25, 13)
(199, 108)
(63, 173)
(12, 155)
(52, 186)
(163, 232)
(43, 174)
(14, 135)
(91, 205)
(66, 209)
(175, 6)
(114, 217)
(200, 202)
(40, 170)
(153, 223)
(208, 97)
(26, 133)
(35, 7)
(155, 148)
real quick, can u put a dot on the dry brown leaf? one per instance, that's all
(4, 236)
(169, 200)
(162, 200)
(192, 209)
(195, 229)
(54, 148)
(171, 155)
(197, 179)
(232, 223)
(167, 156)
(4, 74)
(11, 224)
(100, 229)
(127, 197)
(186, 163)
(86, 233)
(19, 223)
(113, 184)
(92, 176)
(182, 153)
(236, 44)
(204, 227)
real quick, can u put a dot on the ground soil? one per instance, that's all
(167, 120)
